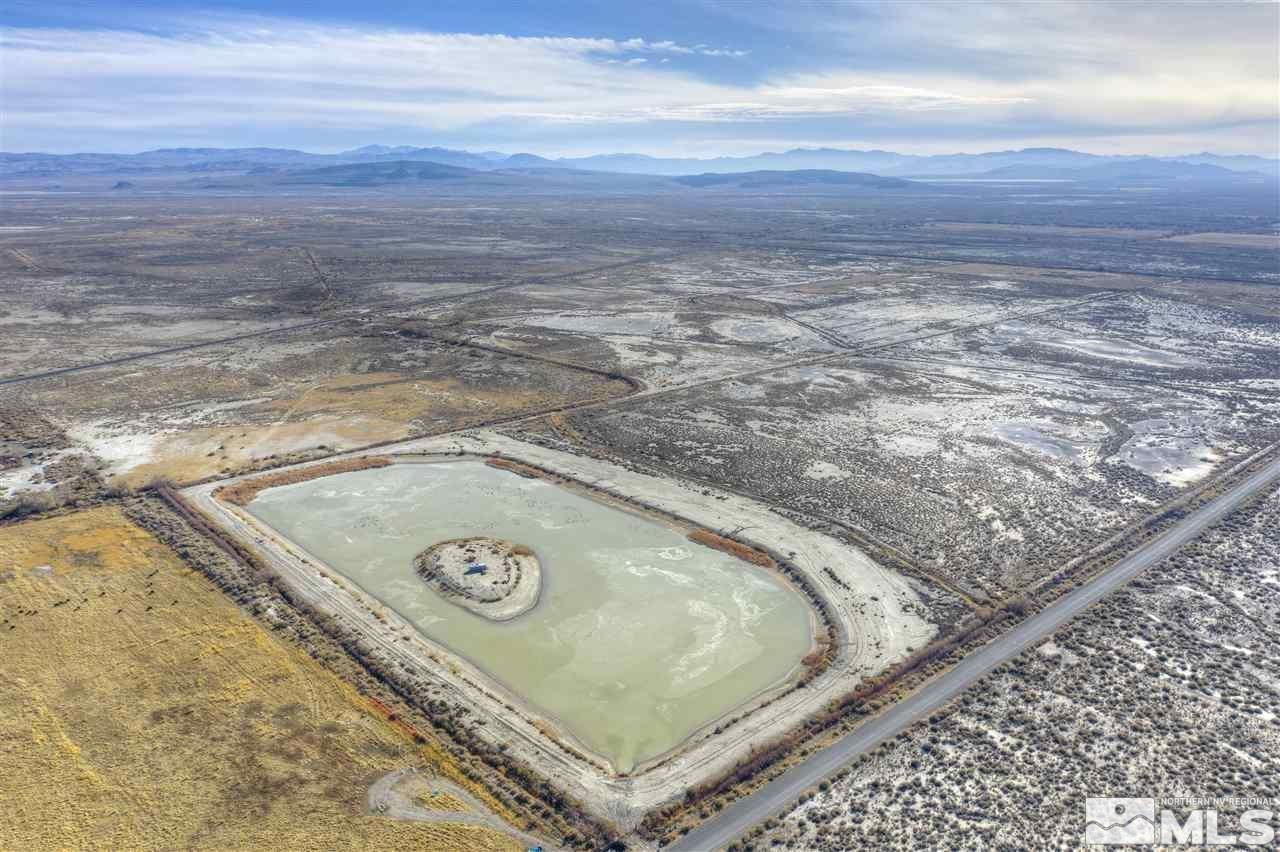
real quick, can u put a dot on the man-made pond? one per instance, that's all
(639, 637)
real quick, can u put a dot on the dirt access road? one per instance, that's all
(396, 795)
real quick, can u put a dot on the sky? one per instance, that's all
(693, 78)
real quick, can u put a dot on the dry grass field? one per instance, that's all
(141, 709)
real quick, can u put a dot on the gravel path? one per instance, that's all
(393, 796)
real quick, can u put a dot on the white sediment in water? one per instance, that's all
(639, 636)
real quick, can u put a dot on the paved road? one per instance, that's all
(736, 819)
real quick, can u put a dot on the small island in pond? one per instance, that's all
(496, 579)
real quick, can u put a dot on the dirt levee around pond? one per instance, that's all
(735, 548)
(241, 493)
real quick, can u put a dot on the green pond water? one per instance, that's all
(639, 637)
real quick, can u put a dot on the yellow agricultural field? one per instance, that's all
(139, 708)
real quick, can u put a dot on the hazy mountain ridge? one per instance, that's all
(1027, 163)
(794, 177)
(408, 174)
(529, 176)
(1141, 169)
(375, 174)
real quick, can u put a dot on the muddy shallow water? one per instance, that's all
(639, 637)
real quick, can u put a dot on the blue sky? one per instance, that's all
(697, 78)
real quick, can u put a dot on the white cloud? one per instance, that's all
(286, 73)
(1064, 68)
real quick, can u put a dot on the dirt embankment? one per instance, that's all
(514, 467)
(733, 548)
(241, 493)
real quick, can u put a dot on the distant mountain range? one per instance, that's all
(792, 178)
(890, 164)
(1143, 168)
(408, 173)
(1024, 164)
